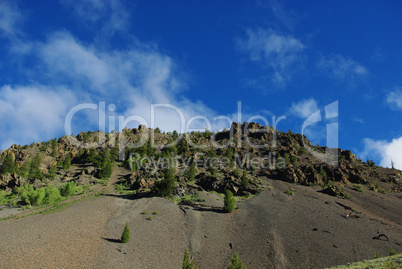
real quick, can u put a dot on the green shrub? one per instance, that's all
(24, 192)
(125, 237)
(370, 163)
(287, 159)
(392, 252)
(229, 202)
(236, 172)
(68, 189)
(323, 174)
(290, 192)
(36, 197)
(358, 188)
(3, 197)
(52, 195)
(236, 263)
(187, 264)
(302, 150)
(12, 200)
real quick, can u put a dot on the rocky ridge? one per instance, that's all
(232, 159)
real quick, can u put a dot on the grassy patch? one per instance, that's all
(358, 188)
(290, 192)
(188, 198)
(58, 207)
(394, 261)
(122, 188)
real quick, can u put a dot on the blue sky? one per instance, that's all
(278, 58)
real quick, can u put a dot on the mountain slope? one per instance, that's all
(295, 211)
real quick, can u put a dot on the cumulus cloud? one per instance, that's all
(69, 72)
(29, 113)
(304, 108)
(394, 98)
(385, 151)
(276, 52)
(341, 68)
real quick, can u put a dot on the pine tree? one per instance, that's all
(150, 150)
(229, 201)
(166, 186)
(187, 264)
(67, 162)
(34, 171)
(125, 237)
(236, 263)
(52, 172)
(106, 166)
(191, 172)
(54, 147)
(23, 171)
(182, 146)
(244, 179)
(8, 164)
(175, 135)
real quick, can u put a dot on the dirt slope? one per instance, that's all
(271, 230)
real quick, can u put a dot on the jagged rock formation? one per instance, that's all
(232, 159)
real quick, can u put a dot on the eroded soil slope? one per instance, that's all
(271, 230)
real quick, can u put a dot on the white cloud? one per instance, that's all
(65, 58)
(132, 79)
(385, 151)
(357, 119)
(10, 16)
(283, 15)
(394, 98)
(341, 68)
(304, 108)
(30, 113)
(107, 16)
(276, 52)
(69, 72)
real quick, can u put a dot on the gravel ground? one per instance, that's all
(68, 239)
(271, 230)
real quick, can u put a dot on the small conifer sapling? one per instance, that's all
(125, 237)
